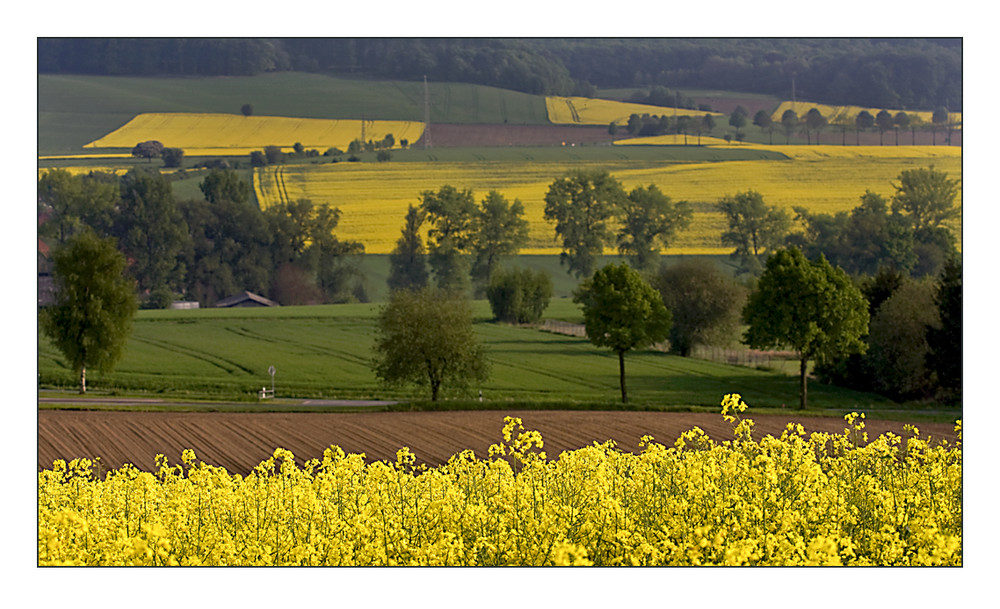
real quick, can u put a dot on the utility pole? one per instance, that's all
(427, 115)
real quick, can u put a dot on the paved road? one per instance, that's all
(99, 400)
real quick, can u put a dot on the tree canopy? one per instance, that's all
(426, 337)
(810, 307)
(622, 312)
(581, 205)
(91, 319)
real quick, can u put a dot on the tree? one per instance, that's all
(451, 214)
(148, 150)
(811, 307)
(898, 349)
(150, 231)
(815, 121)
(755, 229)
(789, 122)
(426, 337)
(738, 120)
(172, 157)
(938, 118)
(499, 231)
(927, 196)
(900, 120)
(763, 120)
(68, 203)
(407, 262)
(231, 244)
(622, 312)
(862, 122)
(519, 295)
(884, 122)
(247, 109)
(91, 320)
(581, 204)
(945, 341)
(649, 219)
(704, 302)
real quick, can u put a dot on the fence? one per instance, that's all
(735, 357)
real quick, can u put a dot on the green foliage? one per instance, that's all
(150, 231)
(451, 214)
(945, 341)
(622, 312)
(500, 231)
(91, 320)
(302, 234)
(705, 304)
(811, 307)
(69, 204)
(519, 295)
(426, 337)
(861, 241)
(172, 157)
(927, 196)
(897, 343)
(755, 229)
(649, 219)
(148, 150)
(407, 262)
(581, 206)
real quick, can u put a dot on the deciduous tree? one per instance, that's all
(499, 231)
(91, 320)
(649, 219)
(755, 229)
(622, 312)
(705, 304)
(426, 337)
(450, 213)
(581, 206)
(407, 262)
(810, 307)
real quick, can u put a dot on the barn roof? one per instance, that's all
(246, 297)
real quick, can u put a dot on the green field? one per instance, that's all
(324, 351)
(74, 110)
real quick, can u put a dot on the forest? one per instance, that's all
(905, 73)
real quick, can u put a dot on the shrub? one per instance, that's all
(519, 295)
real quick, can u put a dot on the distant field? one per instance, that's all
(373, 198)
(324, 351)
(230, 134)
(75, 109)
(847, 114)
(587, 111)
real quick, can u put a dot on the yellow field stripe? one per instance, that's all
(199, 133)
(589, 111)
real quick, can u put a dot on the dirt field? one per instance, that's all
(448, 135)
(238, 442)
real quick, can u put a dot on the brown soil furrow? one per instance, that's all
(239, 442)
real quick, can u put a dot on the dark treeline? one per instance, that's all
(888, 73)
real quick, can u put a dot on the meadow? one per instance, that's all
(325, 352)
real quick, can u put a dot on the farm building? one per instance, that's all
(246, 299)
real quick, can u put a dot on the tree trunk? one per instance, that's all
(83, 379)
(621, 375)
(802, 381)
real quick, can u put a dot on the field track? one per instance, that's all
(239, 441)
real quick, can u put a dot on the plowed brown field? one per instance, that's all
(238, 441)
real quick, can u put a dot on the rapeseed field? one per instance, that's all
(817, 499)
(219, 134)
(373, 198)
